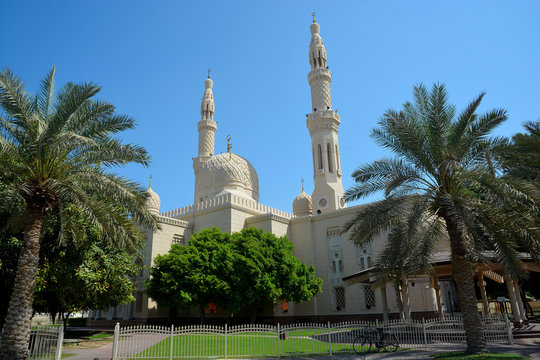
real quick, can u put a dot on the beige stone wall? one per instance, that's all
(309, 235)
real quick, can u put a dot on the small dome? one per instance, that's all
(226, 172)
(153, 203)
(302, 204)
(208, 83)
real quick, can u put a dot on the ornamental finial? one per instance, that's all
(302, 184)
(229, 146)
(209, 73)
(313, 14)
(150, 183)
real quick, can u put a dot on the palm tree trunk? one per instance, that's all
(464, 277)
(16, 330)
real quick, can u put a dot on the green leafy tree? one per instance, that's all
(193, 275)
(83, 275)
(239, 271)
(55, 150)
(265, 270)
(442, 173)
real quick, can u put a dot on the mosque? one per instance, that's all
(227, 196)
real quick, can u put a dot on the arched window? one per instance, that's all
(362, 264)
(320, 157)
(369, 264)
(329, 151)
(333, 266)
(340, 264)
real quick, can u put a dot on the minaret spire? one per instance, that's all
(207, 129)
(323, 124)
(207, 126)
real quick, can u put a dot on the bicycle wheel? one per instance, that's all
(390, 342)
(361, 345)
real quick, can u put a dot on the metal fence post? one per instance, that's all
(115, 343)
(225, 341)
(509, 329)
(278, 343)
(172, 342)
(329, 338)
(424, 331)
(59, 342)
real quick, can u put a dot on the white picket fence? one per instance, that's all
(208, 341)
(46, 342)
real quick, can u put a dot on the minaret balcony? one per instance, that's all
(318, 73)
(323, 120)
(207, 125)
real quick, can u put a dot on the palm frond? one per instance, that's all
(467, 117)
(15, 101)
(46, 94)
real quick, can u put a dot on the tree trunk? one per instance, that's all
(203, 314)
(16, 330)
(406, 302)
(253, 315)
(399, 300)
(463, 273)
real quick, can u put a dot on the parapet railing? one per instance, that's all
(226, 199)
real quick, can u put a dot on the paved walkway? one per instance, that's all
(526, 347)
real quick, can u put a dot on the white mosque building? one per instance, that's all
(227, 196)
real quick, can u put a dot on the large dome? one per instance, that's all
(226, 173)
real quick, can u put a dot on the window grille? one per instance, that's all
(369, 297)
(179, 239)
(340, 298)
(139, 301)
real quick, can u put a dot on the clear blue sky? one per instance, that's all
(151, 57)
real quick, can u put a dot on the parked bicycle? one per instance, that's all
(377, 337)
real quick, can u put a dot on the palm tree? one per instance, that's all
(442, 176)
(408, 251)
(54, 151)
(521, 157)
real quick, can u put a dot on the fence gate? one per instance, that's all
(46, 342)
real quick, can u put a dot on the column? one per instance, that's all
(384, 302)
(482, 286)
(437, 288)
(513, 301)
(522, 310)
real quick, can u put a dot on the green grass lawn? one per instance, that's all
(461, 355)
(101, 335)
(245, 345)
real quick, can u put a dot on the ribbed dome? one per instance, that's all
(302, 204)
(226, 172)
(153, 203)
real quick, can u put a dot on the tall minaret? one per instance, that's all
(323, 125)
(207, 126)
